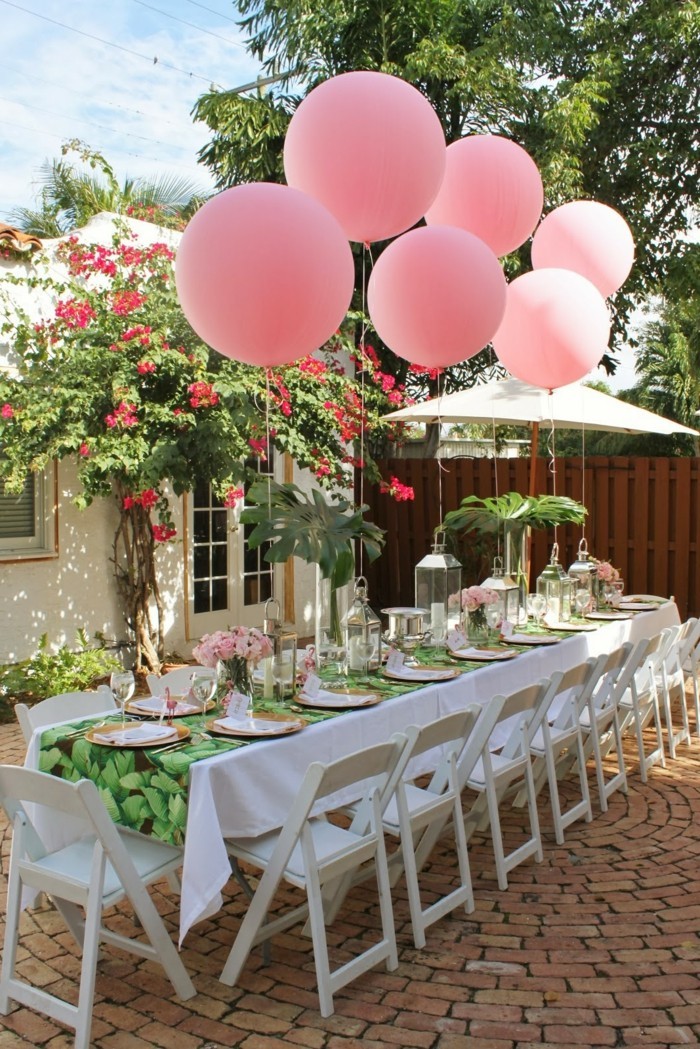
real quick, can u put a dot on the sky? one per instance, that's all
(120, 75)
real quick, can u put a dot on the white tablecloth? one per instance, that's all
(249, 791)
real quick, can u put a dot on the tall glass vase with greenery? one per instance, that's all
(511, 516)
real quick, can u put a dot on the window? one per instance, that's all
(257, 572)
(27, 519)
(210, 551)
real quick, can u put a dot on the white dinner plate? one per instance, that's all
(348, 699)
(637, 606)
(574, 628)
(267, 725)
(136, 734)
(483, 655)
(609, 615)
(422, 674)
(154, 704)
(531, 639)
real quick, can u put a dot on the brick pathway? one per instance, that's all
(597, 946)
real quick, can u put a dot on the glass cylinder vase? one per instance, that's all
(235, 675)
(475, 626)
(517, 563)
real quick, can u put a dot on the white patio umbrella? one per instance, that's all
(510, 402)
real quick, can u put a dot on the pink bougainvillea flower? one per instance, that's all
(7, 411)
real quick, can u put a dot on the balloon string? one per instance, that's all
(495, 478)
(363, 336)
(583, 476)
(439, 457)
(552, 465)
(269, 474)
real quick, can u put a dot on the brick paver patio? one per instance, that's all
(599, 945)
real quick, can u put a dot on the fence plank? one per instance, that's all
(643, 516)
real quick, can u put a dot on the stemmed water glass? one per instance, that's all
(283, 671)
(537, 606)
(122, 684)
(365, 651)
(493, 617)
(582, 600)
(336, 660)
(203, 685)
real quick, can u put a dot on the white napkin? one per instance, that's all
(260, 726)
(532, 639)
(422, 674)
(482, 654)
(154, 705)
(137, 734)
(322, 698)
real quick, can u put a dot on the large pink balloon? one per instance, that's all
(492, 188)
(590, 238)
(555, 328)
(264, 274)
(436, 295)
(370, 148)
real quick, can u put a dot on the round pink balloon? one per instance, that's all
(436, 295)
(371, 148)
(555, 328)
(590, 238)
(264, 274)
(492, 188)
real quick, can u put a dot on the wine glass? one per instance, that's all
(336, 660)
(365, 651)
(282, 673)
(122, 684)
(203, 685)
(493, 617)
(582, 600)
(537, 606)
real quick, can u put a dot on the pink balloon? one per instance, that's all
(555, 328)
(590, 238)
(436, 295)
(371, 148)
(264, 274)
(492, 188)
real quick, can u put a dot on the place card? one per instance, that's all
(237, 705)
(312, 686)
(507, 628)
(395, 660)
(456, 639)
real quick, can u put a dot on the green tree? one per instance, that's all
(603, 95)
(71, 194)
(106, 370)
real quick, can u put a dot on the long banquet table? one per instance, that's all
(247, 791)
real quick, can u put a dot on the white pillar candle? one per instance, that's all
(437, 617)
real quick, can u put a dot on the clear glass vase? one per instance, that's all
(235, 675)
(475, 626)
(517, 563)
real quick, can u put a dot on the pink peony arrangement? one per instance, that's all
(473, 597)
(606, 572)
(241, 642)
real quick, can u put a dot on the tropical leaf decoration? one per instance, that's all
(310, 528)
(490, 515)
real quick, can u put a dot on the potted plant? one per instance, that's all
(512, 515)
(310, 527)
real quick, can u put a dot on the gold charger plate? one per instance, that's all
(259, 727)
(101, 735)
(531, 639)
(424, 674)
(133, 707)
(340, 699)
(484, 655)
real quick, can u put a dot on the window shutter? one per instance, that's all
(17, 512)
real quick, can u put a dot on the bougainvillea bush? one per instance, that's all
(107, 370)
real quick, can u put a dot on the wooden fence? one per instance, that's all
(643, 517)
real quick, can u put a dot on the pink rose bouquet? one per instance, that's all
(474, 597)
(239, 650)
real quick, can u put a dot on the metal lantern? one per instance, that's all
(437, 577)
(555, 586)
(284, 648)
(583, 573)
(362, 627)
(506, 590)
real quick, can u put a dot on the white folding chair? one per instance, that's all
(63, 707)
(689, 659)
(178, 681)
(557, 746)
(600, 724)
(670, 680)
(310, 851)
(419, 815)
(505, 767)
(638, 701)
(96, 871)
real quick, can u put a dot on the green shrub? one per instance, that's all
(50, 673)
